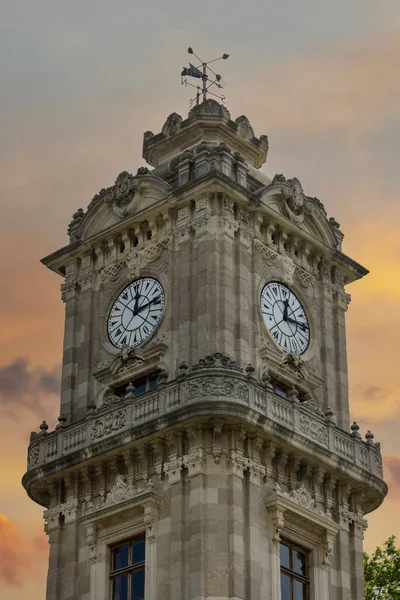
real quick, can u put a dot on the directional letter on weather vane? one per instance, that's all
(201, 72)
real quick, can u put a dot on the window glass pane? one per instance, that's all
(299, 590)
(138, 551)
(299, 562)
(153, 382)
(120, 588)
(285, 556)
(285, 587)
(138, 584)
(140, 386)
(121, 557)
(281, 390)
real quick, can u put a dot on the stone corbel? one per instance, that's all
(173, 467)
(277, 522)
(51, 518)
(217, 439)
(69, 510)
(327, 549)
(150, 516)
(91, 532)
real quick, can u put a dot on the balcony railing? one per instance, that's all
(228, 391)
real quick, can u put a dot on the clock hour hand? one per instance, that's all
(285, 310)
(135, 306)
(302, 326)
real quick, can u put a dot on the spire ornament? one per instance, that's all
(204, 72)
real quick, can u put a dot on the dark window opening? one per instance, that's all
(148, 234)
(127, 572)
(282, 389)
(295, 582)
(141, 385)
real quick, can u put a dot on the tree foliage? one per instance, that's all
(382, 572)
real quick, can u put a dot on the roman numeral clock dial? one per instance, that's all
(136, 313)
(285, 318)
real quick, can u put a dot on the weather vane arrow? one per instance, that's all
(202, 71)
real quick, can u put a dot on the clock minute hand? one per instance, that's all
(146, 305)
(302, 326)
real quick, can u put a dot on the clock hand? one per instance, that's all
(302, 326)
(285, 310)
(135, 306)
(146, 305)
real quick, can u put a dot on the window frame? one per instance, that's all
(130, 568)
(293, 575)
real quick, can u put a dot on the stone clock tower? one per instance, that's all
(204, 447)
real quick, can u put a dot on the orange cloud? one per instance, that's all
(20, 555)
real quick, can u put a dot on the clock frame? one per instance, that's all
(136, 313)
(285, 318)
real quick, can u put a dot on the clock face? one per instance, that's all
(136, 313)
(285, 318)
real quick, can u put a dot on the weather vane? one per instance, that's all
(201, 72)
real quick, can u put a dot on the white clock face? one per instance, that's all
(136, 313)
(285, 318)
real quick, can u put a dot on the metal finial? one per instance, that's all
(201, 72)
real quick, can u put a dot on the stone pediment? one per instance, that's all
(129, 196)
(286, 196)
(128, 362)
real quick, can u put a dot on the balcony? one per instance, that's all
(214, 388)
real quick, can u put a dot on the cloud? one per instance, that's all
(20, 555)
(25, 388)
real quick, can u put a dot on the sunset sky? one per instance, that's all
(80, 83)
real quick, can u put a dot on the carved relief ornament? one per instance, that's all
(135, 260)
(294, 203)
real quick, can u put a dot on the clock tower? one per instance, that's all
(204, 448)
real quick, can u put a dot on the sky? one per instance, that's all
(80, 83)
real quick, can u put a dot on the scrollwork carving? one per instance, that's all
(217, 386)
(122, 196)
(293, 363)
(313, 430)
(33, 456)
(107, 424)
(216, 361)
